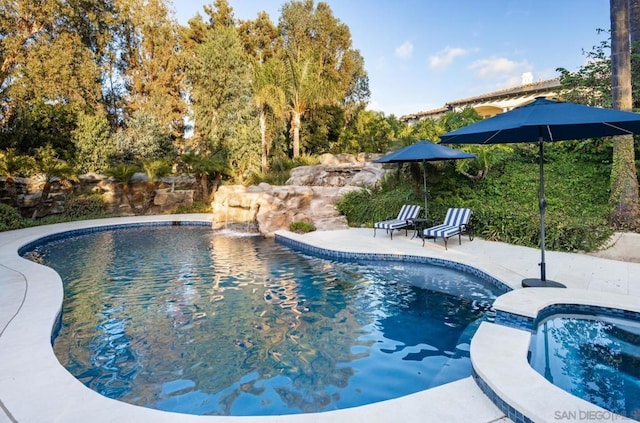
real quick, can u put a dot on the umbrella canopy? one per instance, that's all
(543, 121)
(424, 151)
(547, 120)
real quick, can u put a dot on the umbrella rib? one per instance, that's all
(549, 131)
(626, 131)
(495, 134)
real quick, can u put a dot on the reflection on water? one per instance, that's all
(186, 320)
(593, 357)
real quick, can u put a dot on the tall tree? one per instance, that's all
(220, 76)
(634, 24)
(355, 84)
(261, 38)
(269, 98)
(624, 179)
(48, 53)
(305, 89)
(154, 72)
(320, 62)
(59, 69)
(371, 132)
(591, 84)
(263, 44)
(22, 23)
(220, 14)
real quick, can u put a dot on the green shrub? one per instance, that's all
(505, 203)
(10, 218)
(280, 169)
(567, 233)
(271, 177)
(195, 207)
(356, 206)
(302, 227)
(84, 207)
(367, 206)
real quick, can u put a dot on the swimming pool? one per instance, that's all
(594, 357)
(361, 304)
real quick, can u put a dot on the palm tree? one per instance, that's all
(154, 169)
(634, 19)
(123, 173)
(305, 88)
(268, 97)
(624, 180)
(204, 166)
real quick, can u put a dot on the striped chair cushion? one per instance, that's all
(407, 212)
(457, 217)
(442, 231)
(454, 223)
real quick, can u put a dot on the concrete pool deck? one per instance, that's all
(35, 388)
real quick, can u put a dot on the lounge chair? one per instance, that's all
(455, 223)
(407, 212)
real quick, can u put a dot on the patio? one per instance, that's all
(35, 388)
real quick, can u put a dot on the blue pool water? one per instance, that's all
(188, 320)
(596, 358)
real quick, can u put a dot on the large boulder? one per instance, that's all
(276, 207)
(309, 195)
(336, 176)
(167, 199)
(338, 171)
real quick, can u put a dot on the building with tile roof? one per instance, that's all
(495, 102)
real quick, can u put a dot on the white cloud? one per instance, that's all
(405, 50)
(443, 59)
(497, 67)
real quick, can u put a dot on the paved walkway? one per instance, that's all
(506, 262)
(35, 388)
(623, 246)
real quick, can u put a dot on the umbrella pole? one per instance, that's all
(542, 202)
(424, 181)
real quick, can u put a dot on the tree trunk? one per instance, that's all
(214, 186)
(44, 196)
(204, 186)
(128, 196)
(624, 180)
(149, 195)
(634, 24)
(295, 127)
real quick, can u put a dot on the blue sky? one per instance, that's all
(420, 54)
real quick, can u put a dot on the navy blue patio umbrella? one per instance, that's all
(424, 151)
(543, 121)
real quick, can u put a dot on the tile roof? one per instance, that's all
(544, 85)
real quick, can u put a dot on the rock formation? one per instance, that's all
(164, 196)
(309, 196)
